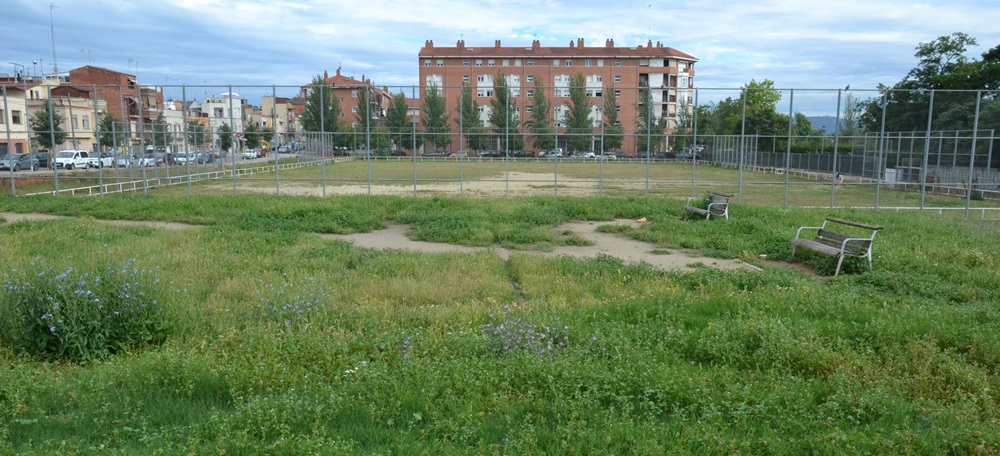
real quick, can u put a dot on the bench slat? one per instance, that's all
(857, 224)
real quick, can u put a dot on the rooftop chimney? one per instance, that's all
(460, 44)
(579, 43)
(497, 45)
(609, 43)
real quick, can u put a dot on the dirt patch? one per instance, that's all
(395, 236)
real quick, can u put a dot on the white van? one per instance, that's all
(71, 158)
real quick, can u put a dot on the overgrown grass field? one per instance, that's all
(250, 334)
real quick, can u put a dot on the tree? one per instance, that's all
(251, 136)
(474, 133)
(650, 129)
(267, 135)
(196, 134)
(503, 115)
(398, 123)
(112, 131)
(161, 131)
(45, 131)
(852, 110)
(539, 125)
(579, 126)
(613, 134)
(322, 111)
(434, 118)
(225, 137)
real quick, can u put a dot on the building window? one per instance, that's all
(530, 108)
(76, 121)
(341, 98)
(86, 122)
(354, 109)
(354, 94)
(465, 62)
(600, 62)
(517, 62)
(491, 62)
(466, 78)
(531, 93)
(487, 93)
(618, 78)
(3, 117)
(479, 62)
(440, 62)
(618, 62)
(587, 62)
(506, 62)
(618, 93)
(555, 62)
(427, 63)
(531, 62)
(569, 62)
(530, 78)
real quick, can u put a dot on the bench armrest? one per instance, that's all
(716, 204)
(843, 245)
(799, 232)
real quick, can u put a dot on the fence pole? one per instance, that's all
(834, 165)
(231, 136)
(972, 156)
(13, 189)
(788, 148)
(184, 132)
(274, 138)
(694, 142)
(879, 165)
(97, 137)
(322, 135)
(927, 152)
(742, 146)
(413, 132)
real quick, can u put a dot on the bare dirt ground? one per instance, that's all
(395, 237)
(513, 183)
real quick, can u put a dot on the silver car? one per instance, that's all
(18, 162)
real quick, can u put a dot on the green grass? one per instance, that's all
(900, 360)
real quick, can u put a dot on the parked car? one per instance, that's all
(261, 153)
(104, 160)
(205, 158)
(70, 159)
(588, 155)
(126, 161)
(183, 158)
(18, 162)
(249, 154)
(284, 149)
(42, 157)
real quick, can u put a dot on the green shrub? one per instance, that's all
(81, 316)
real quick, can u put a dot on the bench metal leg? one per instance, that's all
(839, 261)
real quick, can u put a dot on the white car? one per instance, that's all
(104, 160)
(249, 154)
(589, 155)
(184, 157)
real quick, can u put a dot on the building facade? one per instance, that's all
(14, 116)
(666, 73)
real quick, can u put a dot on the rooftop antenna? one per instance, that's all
(52, 29)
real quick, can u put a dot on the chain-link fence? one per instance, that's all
(324, 140)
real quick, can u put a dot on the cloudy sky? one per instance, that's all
(799, 44)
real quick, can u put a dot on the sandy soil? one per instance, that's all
(513, 184)
(395, 237)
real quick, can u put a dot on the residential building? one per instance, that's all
(226, 109)
(126, 99)
(347, 91)
(666, 72)
(14, 116)
(279, 113)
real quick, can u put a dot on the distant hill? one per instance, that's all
(827, 123)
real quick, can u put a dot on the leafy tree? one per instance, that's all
(579, 126)
(225, 137)
(943, 67)
(541, 129)
(45, 131)
(398, 123)
(251, 136)
(650, 129)
(322, 111)
(112, 131)
(476, 135)
(196, 134)
(852, 110)
(161, 131)
(434, 118)
(613, 134)
(503, 115)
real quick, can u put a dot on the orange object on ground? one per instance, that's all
(642, 220)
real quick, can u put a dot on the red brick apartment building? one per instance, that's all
(668, 73)
(346, 90)
(122, 94)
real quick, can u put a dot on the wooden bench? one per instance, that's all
(834, 243)
(717, 205)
